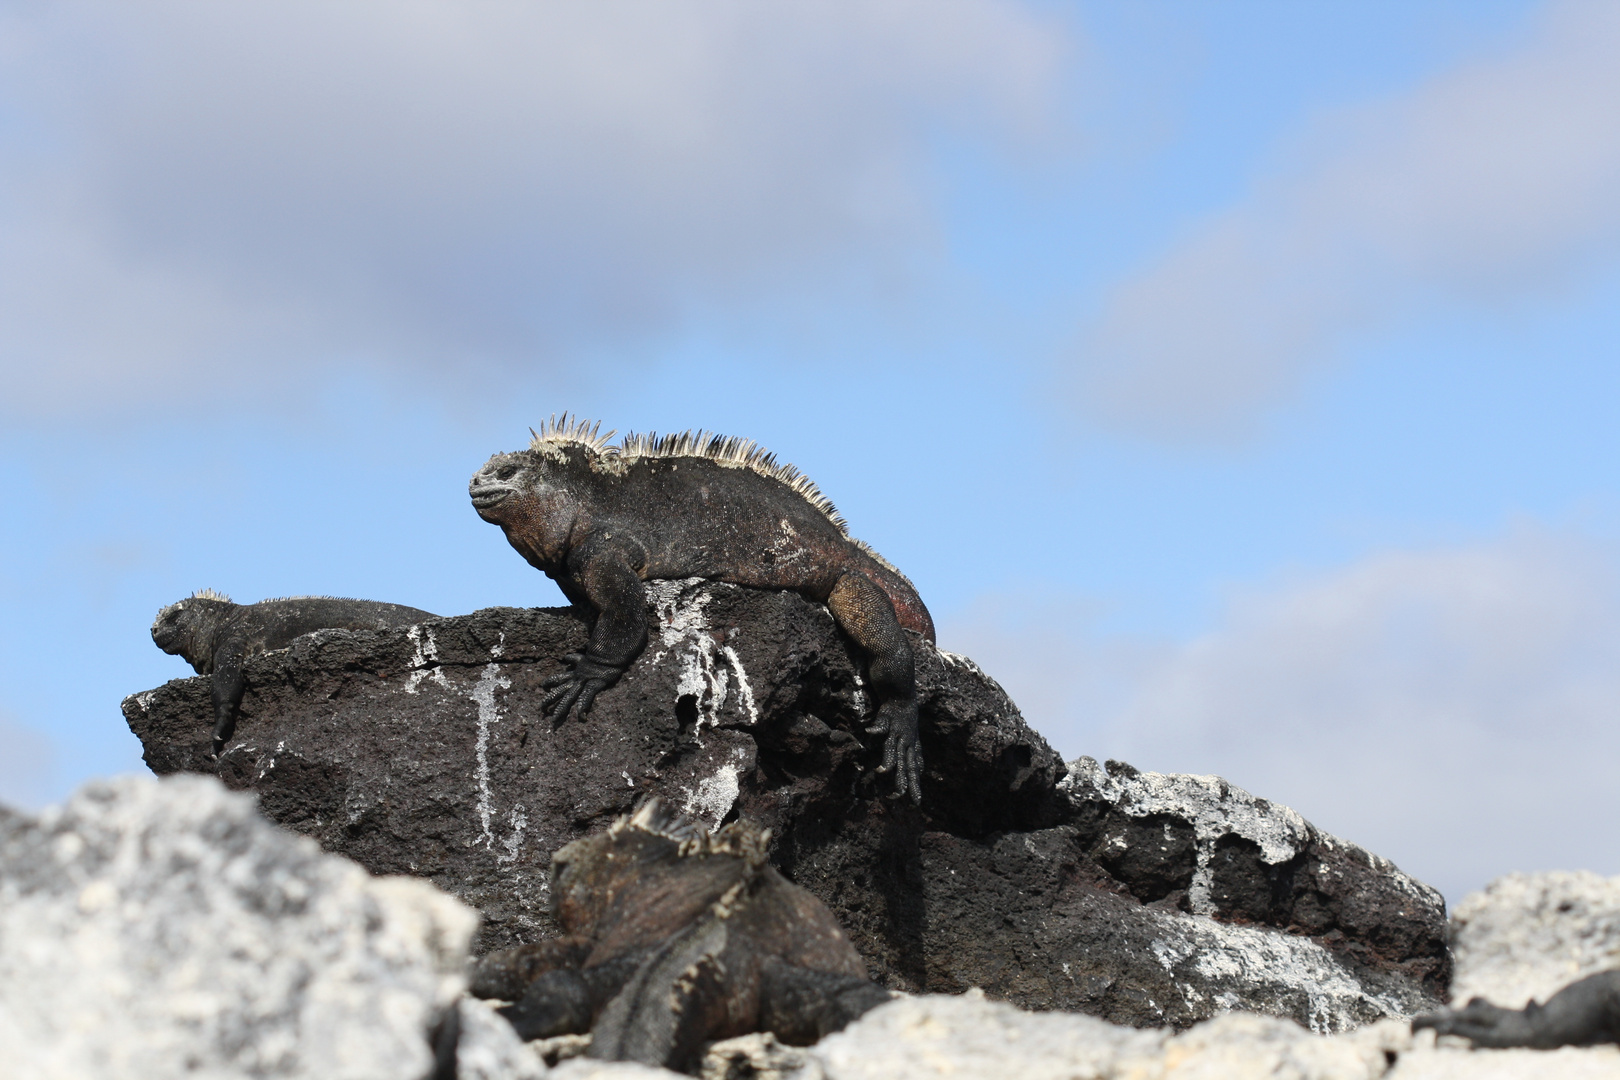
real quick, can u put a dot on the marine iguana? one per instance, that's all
(600, 519)
(674, 937)
(215, 636)
(1584, 1013)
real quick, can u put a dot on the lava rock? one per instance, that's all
(1212, 849)
(424, 751)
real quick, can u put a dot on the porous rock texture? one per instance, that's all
(162, 929)
(1525, 935)
(1142, 899)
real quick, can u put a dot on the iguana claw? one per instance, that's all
(577, 686)
(902, 753)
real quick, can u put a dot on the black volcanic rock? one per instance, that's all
(1139, 898)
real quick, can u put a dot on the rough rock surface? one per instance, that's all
(931, 1038)
(1144, 900)
(160, 929)
(1524, 935)
(1529, 935)
(487, 1048)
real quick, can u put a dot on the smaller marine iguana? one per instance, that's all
(1584, 1013)
(600, 519)
(216, 636)
(675, 937)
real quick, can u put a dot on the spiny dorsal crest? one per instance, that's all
(559, 430)
(316, 596)
(210, 594)
(727, 450)
(742, 839)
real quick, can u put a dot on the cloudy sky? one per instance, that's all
(1237, 382)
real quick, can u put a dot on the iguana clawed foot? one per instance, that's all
(1584, 1013)
(224, 728)
(1480, 1022)
(902, 752)
(578, 686)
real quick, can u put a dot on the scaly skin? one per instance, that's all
(601, 523)
(216, 637)
(674, 938)
(1584, 1013)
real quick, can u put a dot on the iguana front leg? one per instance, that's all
(508, 973)
(802, 1006)
(865, 613)
(550, 993)
(606, 573)
(227, 686)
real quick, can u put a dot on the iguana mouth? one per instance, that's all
(489, 496)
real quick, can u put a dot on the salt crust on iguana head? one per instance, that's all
(172, 611)
(730, 451)
(741, 839)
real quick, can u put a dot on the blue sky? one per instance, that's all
(1236, 381)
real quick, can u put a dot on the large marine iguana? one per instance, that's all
(674, 937)
(601, 519)
(1584, 1013)
(216, 636)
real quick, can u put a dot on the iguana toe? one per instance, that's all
(576, 689)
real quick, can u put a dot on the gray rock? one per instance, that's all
(925, 1038)
(487, 1048)
(1163, 902)
(932, 1038)
(585, 1069)
(760, 1056)
(1526, 936)
(159, 929)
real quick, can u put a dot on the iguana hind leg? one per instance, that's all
(866, 614)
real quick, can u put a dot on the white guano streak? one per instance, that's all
(425, 661)
(706, 667)
(483, 694)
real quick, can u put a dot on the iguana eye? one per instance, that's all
(506, 472)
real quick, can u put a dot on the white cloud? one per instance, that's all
(1453, 710)
(1042, 647)
(195, 190)
(1486, 183)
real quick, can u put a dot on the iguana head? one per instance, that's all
(186, 628)
(587, 874)
(533, 496)
(503, 477)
